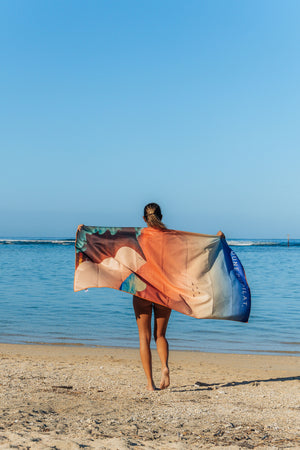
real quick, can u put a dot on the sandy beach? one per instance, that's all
(66, 397)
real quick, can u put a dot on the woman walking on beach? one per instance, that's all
(143, 313)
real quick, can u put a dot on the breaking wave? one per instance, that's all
(264, 243)
(231, 242)
(37, 241)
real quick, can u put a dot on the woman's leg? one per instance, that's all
(143, 312)
(162, 315)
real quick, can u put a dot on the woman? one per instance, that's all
(143, 313)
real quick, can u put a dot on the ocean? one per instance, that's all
(38, 305)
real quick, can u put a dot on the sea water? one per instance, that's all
(38, 305)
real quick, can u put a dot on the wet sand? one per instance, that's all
(69, 397)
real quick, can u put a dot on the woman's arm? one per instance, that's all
(221, 234)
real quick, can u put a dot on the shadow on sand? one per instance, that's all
(199, 386)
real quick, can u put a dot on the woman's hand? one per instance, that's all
(221, 234)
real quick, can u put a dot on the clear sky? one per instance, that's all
(108, 105)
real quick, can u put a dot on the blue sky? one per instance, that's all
(107, 105)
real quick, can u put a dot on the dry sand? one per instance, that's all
(64, 397)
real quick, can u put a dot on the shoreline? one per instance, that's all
(76, 396)
(295, 353)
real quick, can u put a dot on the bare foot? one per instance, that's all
(151, 387)
(165, 378)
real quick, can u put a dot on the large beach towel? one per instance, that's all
(195, 274)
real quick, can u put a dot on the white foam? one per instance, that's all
(242, 243)
(37, 241)
(246, 243)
